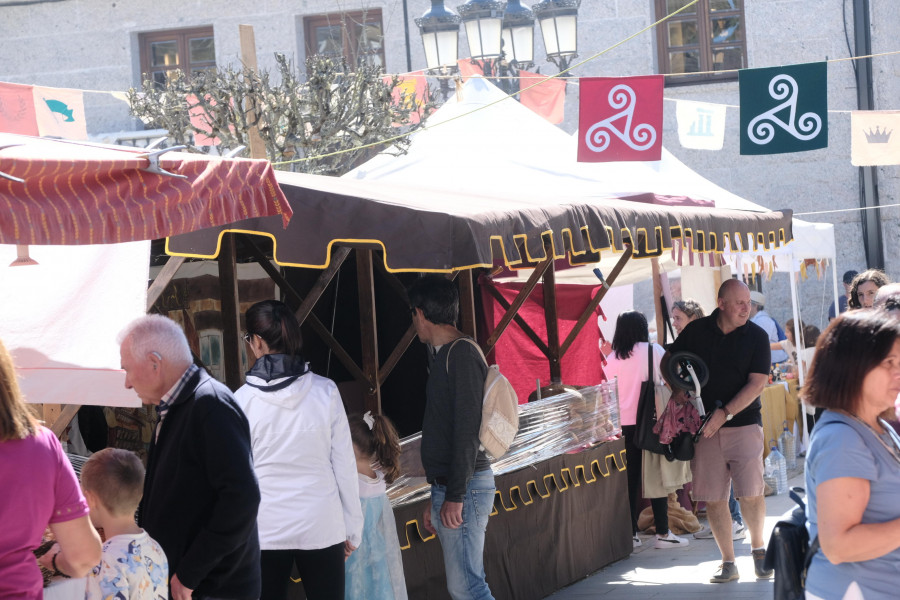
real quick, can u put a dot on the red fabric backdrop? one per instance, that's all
(521, 361)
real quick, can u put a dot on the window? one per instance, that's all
(358, 37)
(709, 36)
(191, 50)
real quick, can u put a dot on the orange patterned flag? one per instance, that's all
(17, 109)
(547, 99)
(60, 113)
(469, 68)
(412, 88)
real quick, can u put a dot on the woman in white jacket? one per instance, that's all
(310, 513)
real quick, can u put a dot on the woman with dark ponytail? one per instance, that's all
(375, 571)
(310, 513)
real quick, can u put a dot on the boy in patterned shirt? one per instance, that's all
(133, 565)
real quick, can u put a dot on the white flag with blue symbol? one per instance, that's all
(701, 126)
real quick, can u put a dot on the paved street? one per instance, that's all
(683, 573)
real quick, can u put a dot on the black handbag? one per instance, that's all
(681, 448)
(789, 552)
(644, 438)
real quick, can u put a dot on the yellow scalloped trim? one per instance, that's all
(532, 489)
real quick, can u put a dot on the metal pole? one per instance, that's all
(868, 177)
(406, 36)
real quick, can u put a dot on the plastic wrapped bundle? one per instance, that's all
(549, 427)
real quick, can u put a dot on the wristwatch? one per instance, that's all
(728, 415)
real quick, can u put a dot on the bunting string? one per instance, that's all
(563, 77)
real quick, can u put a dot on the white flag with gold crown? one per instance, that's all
(874, 137)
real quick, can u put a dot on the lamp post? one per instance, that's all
(559, 27)
(518, 34)
(500, 37)
(439, 27)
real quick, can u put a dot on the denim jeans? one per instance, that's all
(734, 508)
(463, 548)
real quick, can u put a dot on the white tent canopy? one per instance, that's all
(482, 141)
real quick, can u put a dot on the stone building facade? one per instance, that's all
(97, 45)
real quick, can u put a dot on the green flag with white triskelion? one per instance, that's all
(784, 109)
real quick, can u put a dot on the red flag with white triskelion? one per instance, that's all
(620, 118)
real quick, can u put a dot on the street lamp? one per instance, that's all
(483, 20)
(559, 27)
(440, 35)
(518, 34)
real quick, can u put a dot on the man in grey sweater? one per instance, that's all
(462, 483)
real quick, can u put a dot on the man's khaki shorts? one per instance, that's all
(733, 455)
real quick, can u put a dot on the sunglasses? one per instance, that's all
(247, 337)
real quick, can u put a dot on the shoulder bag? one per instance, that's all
(644, 438)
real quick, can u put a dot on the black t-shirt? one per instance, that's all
(731, 359)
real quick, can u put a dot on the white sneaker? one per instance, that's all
(635, 541)
(738, 530)
(704, 534)
(670, 541)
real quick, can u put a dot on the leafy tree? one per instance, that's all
(334, 110)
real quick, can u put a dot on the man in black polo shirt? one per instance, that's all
(736, 351)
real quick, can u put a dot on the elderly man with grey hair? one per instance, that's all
(200, 492)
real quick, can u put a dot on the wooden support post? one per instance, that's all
(551, 318)
(595, 301)
(367, 327)
(467, 303)
(657, 302)
(517, 303)
(322, 282)
(396, 354)
(312, 320)
(162, 279)
(230, 310)
(496, 295)
(248, 58)
(63, 419)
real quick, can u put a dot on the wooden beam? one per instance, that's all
(231, 313)
(534, 337)
(248, 58)
(312, 320)
(595, 302)
(467, 303)
(517, 304)
(337, 259)
(396, 354)
(392, 280)
(368, 329)
(657, 302)
(63, 419)
(551, 317)
(163, 278)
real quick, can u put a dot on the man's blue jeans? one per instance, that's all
(464, 547)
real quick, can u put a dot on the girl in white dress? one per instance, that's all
(375, 570)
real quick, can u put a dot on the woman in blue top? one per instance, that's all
(853, 463)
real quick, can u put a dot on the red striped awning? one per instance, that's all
(76, 193)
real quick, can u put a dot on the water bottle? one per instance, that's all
(787, 447)
(776, 469)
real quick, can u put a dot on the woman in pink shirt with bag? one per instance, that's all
(39, 489)
(628, 362)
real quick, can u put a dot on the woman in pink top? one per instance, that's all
(39, 489)
(628, 362)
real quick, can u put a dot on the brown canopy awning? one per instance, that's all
(429, 229)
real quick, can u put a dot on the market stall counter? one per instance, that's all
(560, 512)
